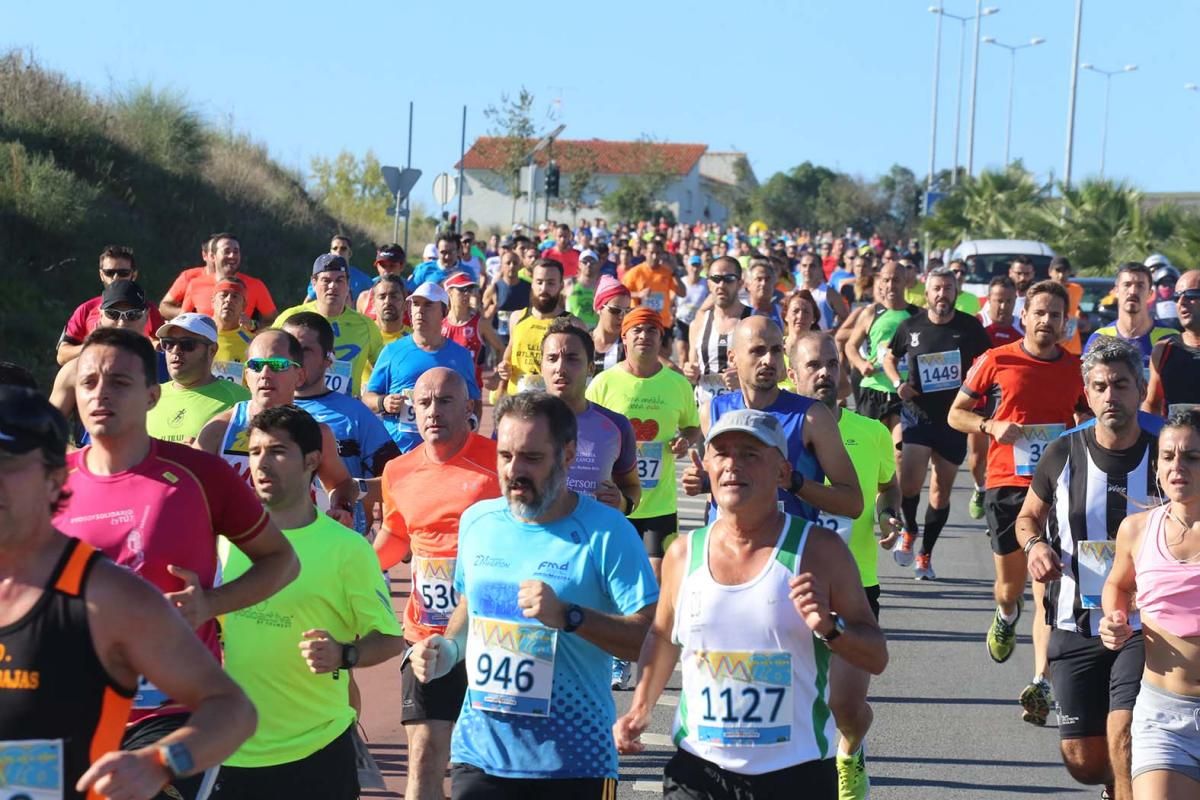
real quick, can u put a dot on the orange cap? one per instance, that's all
(640, 316)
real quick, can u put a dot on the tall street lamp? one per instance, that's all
(1108, 74)
(962, 51)
(1012, 71)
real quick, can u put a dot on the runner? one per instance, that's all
(421, 520)
(389, 390)
(357, 342)
(194, 395)
(363, 443)
(658, 403)
(612, 302)
(816, 372)
(337, 613)
(389, 260)
(1026, 418)
(1155, 563)
(653, 283)
(939, 344)
(708, 364)
(963, 301)
(688, 306)
(171, 303)
(832, 306)
(1020, 272)
(79, 634)
(761, 292)
(465, 325)
(527, 327)
(1085, 484)
(233, 337)
(116, 264)
(274, 370)
(1162, 302)
(226, 256)
(508, 293)
(1175, 362)
(157, 508)
(1134, 322)
(389, 300)
(564, 252)
(449, 260)
(583, 290)
(360, 282)
(551, 586)
(1060, 272)
(730, 579)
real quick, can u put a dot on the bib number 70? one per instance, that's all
(502, 672)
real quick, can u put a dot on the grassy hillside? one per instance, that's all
(142, 169)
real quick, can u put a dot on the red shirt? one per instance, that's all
(87, 316)
(1003, 334)
(199, 292)
(179, 287)
(569, 259)
(467, 334)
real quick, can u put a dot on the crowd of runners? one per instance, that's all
(198, 517)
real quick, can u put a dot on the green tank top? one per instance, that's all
(879, 336)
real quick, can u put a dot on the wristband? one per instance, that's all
(629, 504)
(886, 513)
(457, 652)
(379, 405)
(983, 421)
(1029, 545)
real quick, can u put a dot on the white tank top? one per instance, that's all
(235, 449)
(755, 678)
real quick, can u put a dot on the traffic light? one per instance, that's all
(551, 185)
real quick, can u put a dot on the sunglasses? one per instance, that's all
(1190, 295)
(186, 345)
(726, 278)
(124, 316)
(616, 311)
(116, 273)
(273, 364)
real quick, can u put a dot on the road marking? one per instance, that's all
(657, 740)
(668, 700)
(648, 786)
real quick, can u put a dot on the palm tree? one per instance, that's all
(1003, 204)
(1101, 223)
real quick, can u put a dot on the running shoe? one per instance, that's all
(975, 506)
(853, 782)
(924, 569)
(1035, 700)
(622, 673)
(1002, 638)
(903, 554)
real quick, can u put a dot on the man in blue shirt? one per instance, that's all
(552, 585)
(449, 261)
(402, 362)
(359, 280)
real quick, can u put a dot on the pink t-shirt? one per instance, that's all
(87, 317)
(169, 509)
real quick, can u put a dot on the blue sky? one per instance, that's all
(845, 83)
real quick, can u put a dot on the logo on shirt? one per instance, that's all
(490, 561)
(552, 569)
(914, 340)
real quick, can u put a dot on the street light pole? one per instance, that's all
(974, 88)
(937, 68)
(1108, 74)
(1071, 98)
(962, 52)
(1012, 73)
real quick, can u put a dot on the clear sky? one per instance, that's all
(846, 83)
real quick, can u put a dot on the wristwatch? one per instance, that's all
(574, 618)
(797, 482)
(839, 626)
(349, 656)
(176, 759)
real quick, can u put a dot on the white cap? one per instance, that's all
(760, 424)
(430, 252)
(200, 324)
(433, 292)
(589, 254)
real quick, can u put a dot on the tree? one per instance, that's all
(580, 167)
(638, 194)
(900, 199)
(351, 187)
(788, 200)
(1004, 204)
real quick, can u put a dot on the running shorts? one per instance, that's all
(689, 777)
(654, 531)
(440, 699)
(1090, 680)
(1165, 736)
(469, 782)
(1000, 509)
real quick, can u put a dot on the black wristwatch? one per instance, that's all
(839, 627)
(797, 483)
(574, 618)
(176, 759)
(349, 656)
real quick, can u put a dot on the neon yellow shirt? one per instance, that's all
(915, 294)
(340, 590)
(658, 407)
(356, 346)
(232, 345)
(967, 303)
(870, 447)
(181, 413)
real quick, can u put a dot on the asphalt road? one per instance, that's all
(947, 724)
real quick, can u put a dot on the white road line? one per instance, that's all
(657, 740)
(668, 700)
(647, 786)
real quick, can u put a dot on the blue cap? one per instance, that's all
(696, 260)
(330, 262)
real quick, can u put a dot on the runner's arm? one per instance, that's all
(659, 654)
(842, 335)
(1043, 563)
(273, 565)
(963, 417)
(891, 368)
(332, 472)
(490, 337)
(1122, 578)
(837, 303)
(170, 308)
(843, 496)
(62, 396)
(861, 326)
(1155, 402)
(67, 351)
(630, 486)
(209, 439)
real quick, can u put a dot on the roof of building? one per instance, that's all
(606, 157)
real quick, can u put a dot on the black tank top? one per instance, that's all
(1180, 373)
(53, 687)
(509, 299)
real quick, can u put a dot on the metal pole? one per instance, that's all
(937, 66)
(532, 198)
(462, 155)
(1012, 75)
(1104, 130)
(962, 52)
(974, 89)
(396, 223)
(1071, 101)
(408, 165)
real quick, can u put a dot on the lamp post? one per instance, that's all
(1108, 74)
(937, 68)
(1012, 72)
(962, 51)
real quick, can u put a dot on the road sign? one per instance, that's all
(391, 212)
(444, 188)
(400, 181)
(931, 200)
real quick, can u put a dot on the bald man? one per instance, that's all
(1175, 363)
(815, 447)
(425, 492)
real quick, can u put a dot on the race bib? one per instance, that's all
(1028, 450)
(1094, 560)
(940, 371)
(709, 386)
(510, 667)
(502, 322)
(843, 526)
(407, 414)
(148, 696)
(649, 463)
(739, 698)
(230, 371)
(32, 769)
(433, 588)
(337, 377)
(654, 301)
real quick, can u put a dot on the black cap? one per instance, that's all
(122, 292)
(390, 252)
(28, 422)
(329, 262)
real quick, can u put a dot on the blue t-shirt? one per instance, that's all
(606, 445)
(789, 409)
(1145, 343)
(1150, 423)
(428, 271)
(359, 283)
(400, 365)
(774, 315)
(592, 557)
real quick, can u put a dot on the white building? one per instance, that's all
(699, 179)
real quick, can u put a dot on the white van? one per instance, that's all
(987, 258)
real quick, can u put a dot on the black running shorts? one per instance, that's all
(1000, 509)
(654, 531)
(1090, 680)
(441, 699)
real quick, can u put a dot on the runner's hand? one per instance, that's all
(906, 391)
(693, 475)
(538, 601)
(890, 529)
(322, 652)
(192, 600)
(868, 370)
(125, 775)
(627, 732)
(1115, 630)
(342, 515)
(1044, 564)
(679, 446)
(503, 370)
(731, 379)
(691, 371)
(433, 657)
(1005, 432)
(392, 403)
(608, 493)
(810, 596)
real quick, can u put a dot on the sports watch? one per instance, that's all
(839, 627)
(574, 618)
(349, 656)
(176, 759)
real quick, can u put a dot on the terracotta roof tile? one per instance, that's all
(610, 158)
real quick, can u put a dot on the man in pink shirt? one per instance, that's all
(116, 264)
(564, 252)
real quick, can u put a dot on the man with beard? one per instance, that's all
(1088, 481)
(1134, 322)
(116, 264)
(226, 256)
(815, 451)
(527, 327)
(388, 300)
(938, 345)
(1175, 363)
(709, 365)
(389, 260)
(654, 284)
(551, 586)
(505, 295)
(1021, 273)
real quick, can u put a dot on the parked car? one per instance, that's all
(1092, 314)
(987, 258)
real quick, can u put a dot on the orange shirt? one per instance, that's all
(422, 502)
(1072, 343)
(179, 287)
(661, 283)
(199, 292)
